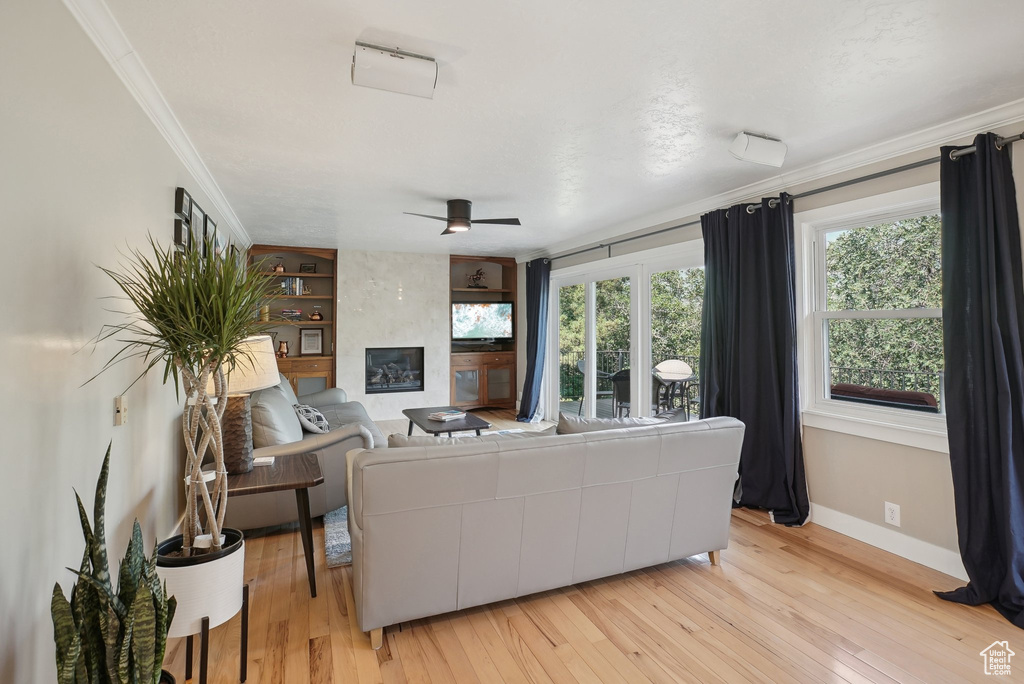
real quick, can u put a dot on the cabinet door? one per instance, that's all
(500, 379)
(466, 386)
(308, 382)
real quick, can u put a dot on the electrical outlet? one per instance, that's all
(892, 514)
(120, 411)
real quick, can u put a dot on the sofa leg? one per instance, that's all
(713, 555)
(376, 638)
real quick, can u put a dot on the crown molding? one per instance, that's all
(102, 28)
(927, 138)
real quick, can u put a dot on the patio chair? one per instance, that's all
(620, 393)
(601, 375)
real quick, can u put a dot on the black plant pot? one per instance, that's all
(232, 542)
(166, 677)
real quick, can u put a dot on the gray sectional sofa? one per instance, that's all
(277, 432)
(475, 520)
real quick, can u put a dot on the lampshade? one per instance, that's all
(255, 368)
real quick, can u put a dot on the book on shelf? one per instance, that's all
(445, 416)
(292, 286)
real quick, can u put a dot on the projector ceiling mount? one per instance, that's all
(460, 219)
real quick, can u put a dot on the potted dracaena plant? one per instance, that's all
(196, 314)
(105, 636)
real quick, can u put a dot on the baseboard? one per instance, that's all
(911, 548)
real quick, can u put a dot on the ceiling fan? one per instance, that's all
(460, 219)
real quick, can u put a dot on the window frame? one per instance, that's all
(912, 428)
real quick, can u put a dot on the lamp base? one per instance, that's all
(236, 429)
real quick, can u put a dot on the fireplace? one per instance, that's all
(394, 369)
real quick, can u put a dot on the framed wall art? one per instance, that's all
(311, 342)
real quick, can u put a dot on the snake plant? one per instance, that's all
(106, 636)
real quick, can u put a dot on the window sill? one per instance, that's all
(913, 431)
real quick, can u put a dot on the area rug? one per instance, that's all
(337, 543)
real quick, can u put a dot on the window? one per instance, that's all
(878, 313)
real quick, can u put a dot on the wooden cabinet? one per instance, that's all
(308, 375)
(483, 379)
(311, 274)
(483, 372)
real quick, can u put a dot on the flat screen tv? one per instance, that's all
(481, 321)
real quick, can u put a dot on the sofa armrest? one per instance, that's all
(314, 442)
(353, 516)
(331, 395)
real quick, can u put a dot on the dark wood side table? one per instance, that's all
(421, 418)
(299, 472)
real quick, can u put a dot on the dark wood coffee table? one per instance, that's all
(299, 472)
(419, 418)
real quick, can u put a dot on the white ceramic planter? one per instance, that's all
(210, 589)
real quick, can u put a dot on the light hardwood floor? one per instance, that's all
(785, 605)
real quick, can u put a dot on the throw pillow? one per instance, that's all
(311, 419)
(573, 425)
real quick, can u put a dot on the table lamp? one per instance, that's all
(255, 369)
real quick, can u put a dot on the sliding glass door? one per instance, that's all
(617, 326)
(612, 304)
(677, 300)
(570, 357)
(594, 346)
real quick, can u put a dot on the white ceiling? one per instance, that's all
(576, 116)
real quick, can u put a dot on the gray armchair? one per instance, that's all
(277, 432)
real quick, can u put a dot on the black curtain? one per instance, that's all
(982, 304)
(748, 350)
(538, 281)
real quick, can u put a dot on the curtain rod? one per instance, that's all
(1000, 142)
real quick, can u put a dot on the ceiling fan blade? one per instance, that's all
(439, 218)
(502, 222)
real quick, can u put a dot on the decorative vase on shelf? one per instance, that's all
(282, 350)
(316, 315)
(265, 313)
(279, 267)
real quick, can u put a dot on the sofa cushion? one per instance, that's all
(286, 387)
(397, 441)
(311, 419)
(573, 425)
(273, 418)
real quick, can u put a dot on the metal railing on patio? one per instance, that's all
(929, 382)
(570, 378)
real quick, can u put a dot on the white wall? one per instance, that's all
(392, 299)
(83, 173)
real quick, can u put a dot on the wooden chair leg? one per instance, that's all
(714, 557)
(376, 638)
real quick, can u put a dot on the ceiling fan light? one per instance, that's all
(458, 225)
